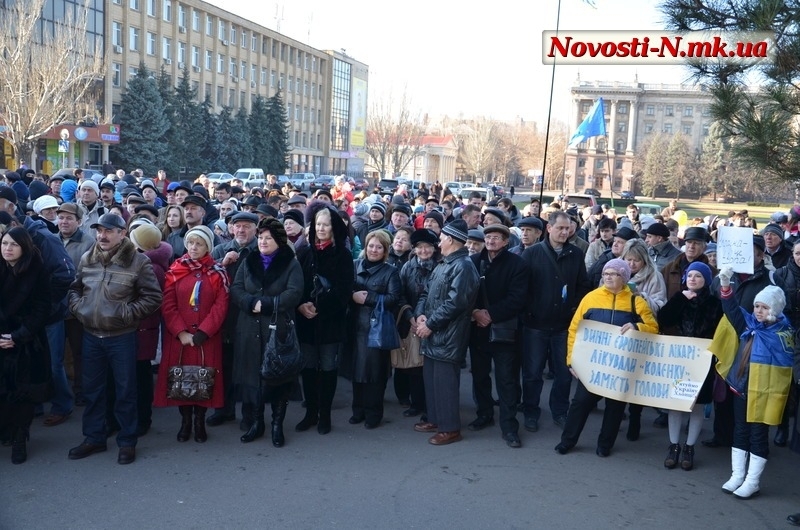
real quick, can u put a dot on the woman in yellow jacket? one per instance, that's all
(611, 303)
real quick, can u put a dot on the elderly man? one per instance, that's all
(475, 241)
(620, 237)
(502, 298)
(695, 240)
(471, 214)
(114, 289)
(531, 228)
(231, 255)
(660, 248)
(774, 245)
(443, 319)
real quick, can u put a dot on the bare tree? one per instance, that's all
(477, 144)
(46, 78)
(394, 136)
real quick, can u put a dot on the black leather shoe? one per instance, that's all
(411, 413)
(560, 421)
(85, 449)
(127, 455)
(369, 425)
(218, 419)
(602, 451)
(781, 436)
(563, 448)
(531, 425)
(355, 420)
(481, 422)
(794, 519)
(512, 439)
(713, 442)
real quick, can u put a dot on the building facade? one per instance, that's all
(635, 112)
(231, 60)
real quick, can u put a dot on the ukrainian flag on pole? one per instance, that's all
(593, 125)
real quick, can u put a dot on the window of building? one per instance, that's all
(291, 55)
(195, 56)
(617, 165)
(253, 73)
(305, 139)
(581, 162)
(313, 64)
(209, 25)
(648, 128)
(166, 48)
(151, 43)
(181, 16)
(133, 39)
(221, 30)
(116, 77)
(313, 90)
(272, 78)
(289, 110)
(282, 81)
(668, 128)
(116, 33)
(253, 42)
(669, 111)
(232, 68)
(233, 35)
(311, 141)
(242, 98)
(298, 113)
(220, 93)
(706, 111)
(601, 144)
(231, 98)
(705, 129)
(622, 108)
(599, 163)
(580, 181)
(688, 111)
(195, 20)
(687, 130)
(305, 88)
(244, 39)
(299, 59)
(274, 49)
(622, 127)
(620, 145)
(298, 87)
(284, 48)
(134, 4)
(297, 138)
(263, 76)
(209, 59)
(181, 52)
(291, 84)
(305, 114)
(650, 110)
(319, 141)
(307, 64)
(585, 107)
(319, 119)
(167, 11)
(132, 71)
(243, 70)
(220, 64)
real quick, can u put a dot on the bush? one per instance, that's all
(765, 204)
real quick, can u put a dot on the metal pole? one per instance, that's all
(549, 112)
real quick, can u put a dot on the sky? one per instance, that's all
(460, 58)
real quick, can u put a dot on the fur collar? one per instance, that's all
(123, 257)
(279, 264)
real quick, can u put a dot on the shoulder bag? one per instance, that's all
(282, 356)
(382, 328)
(499, 332)
(191, 382)
(407, 355)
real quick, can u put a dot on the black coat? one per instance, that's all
(503, 291)
(25, 304)
(697, 317)
(371, 365)
(556, 286)
(414, 277)
(283, 278)
(788, 279)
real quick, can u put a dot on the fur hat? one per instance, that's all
(702, 268)
(457, 230)
(423, 235)
(201, 231)
(620, 266)
(276, 230)
(146, 237)
(773, 297)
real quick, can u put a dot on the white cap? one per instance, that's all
(44, 202)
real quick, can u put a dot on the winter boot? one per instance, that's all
(687, 462)
(739, 466)
(327, 389)
(186, 423)
(19, 448)
(750, 486)
(200, 435)
(311, 392)
(257, 428)
(673, 455)
(278, 414)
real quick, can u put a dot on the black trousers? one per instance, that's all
(506, 378)
(583, 403)
(723, 419)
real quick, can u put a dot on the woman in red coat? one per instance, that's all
(194, 308)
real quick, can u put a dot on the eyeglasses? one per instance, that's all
(611, 275)
(492, 238)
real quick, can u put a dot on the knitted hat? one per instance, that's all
(147, 183)
(378, 205)
(294, 215)
(221, 224)
(43, 203)
(198, 188)
(37, 189)
(436, 216)
(203, 232)
(773, 228)
(620, 266)
(90, 184)
(276, 230)
(658, 229)
(711, 248)
(702, 268)
(773, 297)
(22, 191)
(146, 237)
(8, 194)
(457, 230)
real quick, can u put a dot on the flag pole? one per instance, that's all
(610, 176)
(549, 113)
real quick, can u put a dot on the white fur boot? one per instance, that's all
(750, 487)
(739, 467)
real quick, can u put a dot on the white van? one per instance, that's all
(250, 176)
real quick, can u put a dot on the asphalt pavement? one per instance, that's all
(389, 477)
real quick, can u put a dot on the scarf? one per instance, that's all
(185, 266)
(322, 245)
(266, 259)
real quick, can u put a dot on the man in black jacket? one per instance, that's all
(557, 282)
(502, 297)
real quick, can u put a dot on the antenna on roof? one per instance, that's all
(278, 17)
(310, 20)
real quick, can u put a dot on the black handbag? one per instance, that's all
(499, 332)
(282, 356)
(382, 329)
(191, 382)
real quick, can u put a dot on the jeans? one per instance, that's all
(750, 437)
(62, 394)
(119, 355)
(506, 377)
(537, 346)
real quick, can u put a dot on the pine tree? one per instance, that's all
(211, 142)
(242, 147)
(143, 124)
(258, 137)
(224, 158)
(276, 129)
(677, 164)
(167, 93)
(187, 135)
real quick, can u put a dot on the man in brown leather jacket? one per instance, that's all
(115, 288)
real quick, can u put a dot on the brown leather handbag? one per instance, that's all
(191, 382)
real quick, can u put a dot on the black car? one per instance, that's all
(324, 182)
(592, 191)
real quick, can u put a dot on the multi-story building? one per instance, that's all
(634, 113)
(231, 60)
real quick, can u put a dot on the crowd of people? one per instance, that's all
(134, 275)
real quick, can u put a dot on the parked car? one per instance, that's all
(648, 208)
(486, 193)
(592, 191)
(388, 186)
(302, 181)
(69, 172)
(359, 184)
(323, 182)
(455, 187)
(581, 200)
(627, 195)
(219, 177)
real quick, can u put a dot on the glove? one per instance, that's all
(725, 276)
(199, 338)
